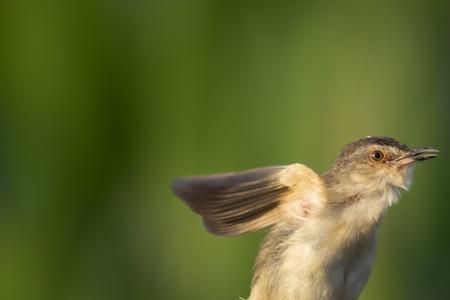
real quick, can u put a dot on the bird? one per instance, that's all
(322, 229)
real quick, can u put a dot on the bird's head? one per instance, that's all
(377, 162)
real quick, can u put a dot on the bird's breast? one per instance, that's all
(314, 264)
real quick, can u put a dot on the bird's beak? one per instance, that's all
(417, 154)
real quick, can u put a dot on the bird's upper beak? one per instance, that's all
(416, 154)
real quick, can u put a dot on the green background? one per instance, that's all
(104, 102)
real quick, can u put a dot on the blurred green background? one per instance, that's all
(104, 102)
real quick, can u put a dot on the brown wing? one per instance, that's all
(237, 203)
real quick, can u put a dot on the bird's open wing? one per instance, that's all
(237, 203)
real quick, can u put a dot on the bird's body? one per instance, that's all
(323, 234)
(313, 268)
(317, 259)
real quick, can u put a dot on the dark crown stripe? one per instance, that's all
(374, 140)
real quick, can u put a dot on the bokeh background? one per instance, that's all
(104, 102)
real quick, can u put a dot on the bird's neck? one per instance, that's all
(357, 202)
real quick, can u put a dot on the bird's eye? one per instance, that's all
(377, 155)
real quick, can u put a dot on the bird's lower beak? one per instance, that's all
(417, 154)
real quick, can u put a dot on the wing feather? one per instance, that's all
(237, 203)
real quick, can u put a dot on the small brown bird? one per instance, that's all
(323, 234)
